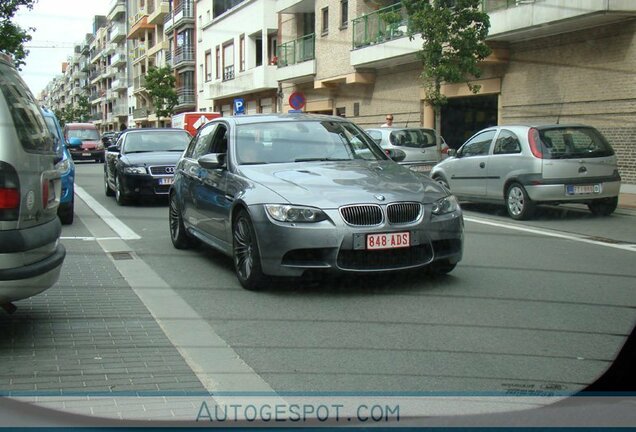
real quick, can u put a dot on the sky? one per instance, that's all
(60, 24)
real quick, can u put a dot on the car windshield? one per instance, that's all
(84, 134)
(574, 142)
(156, 141)
(303, 141)
(414, 138)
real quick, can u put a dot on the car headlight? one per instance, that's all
(63, 166)
(445, 205)
(290, 213)
(134, 170)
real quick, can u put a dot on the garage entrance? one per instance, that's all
(463, 116)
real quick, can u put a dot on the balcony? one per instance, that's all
(96, 117)
(157, 11)
(157, 47)
(182, 15)
(379, 39)
(517, 20)
(116, 9)
(119, 82)
(138, 53)
(186, 97)
(140, 113)
(117, 32)
(96, 55)
(94, 76)
(138, 24)
(253, 80)
(118, 59)
(168, 58)
(183, 56)
(296, 59)
(139, 83)
(295, 6)
(120, 110)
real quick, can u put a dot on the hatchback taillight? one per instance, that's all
(9, 192)
(534, 139)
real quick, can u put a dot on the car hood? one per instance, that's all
(333, 184)
(151, 158)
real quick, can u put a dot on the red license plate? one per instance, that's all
(389, 240)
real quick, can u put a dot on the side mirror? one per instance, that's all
(452, 152)
(212, 161)
(396, 154)
(113, 149)
(75, 142)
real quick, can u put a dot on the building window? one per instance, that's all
(208, 65)
(344, 13)
(325, 21)
(218, 62)
(228, 61)
(242, 52)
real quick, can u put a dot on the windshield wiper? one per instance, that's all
(139, 151)
(320, 159)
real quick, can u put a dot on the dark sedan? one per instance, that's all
(287, 194)
(142, 163)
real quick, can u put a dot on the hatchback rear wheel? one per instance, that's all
(603, 206)
(518, 203)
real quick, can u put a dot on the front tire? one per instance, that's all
(120, 197)
(245, 254)
(109, 192)
(67, 214)
(518, 203)
(603, 206)
(178, 234)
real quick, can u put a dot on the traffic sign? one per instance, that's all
(239, 106)
(297, 100)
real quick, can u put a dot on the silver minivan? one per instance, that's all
(30, 253)
(523, 166)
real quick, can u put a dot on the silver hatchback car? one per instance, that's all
(523, 166)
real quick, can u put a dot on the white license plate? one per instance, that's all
(389, 240)
(421, 168)
(583, 189)
(166, 181)
(86, 154)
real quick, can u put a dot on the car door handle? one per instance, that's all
(482, 165)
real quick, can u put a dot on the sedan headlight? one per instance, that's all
(63, 166)
(445, 205)
(290, 213)
(134, 170)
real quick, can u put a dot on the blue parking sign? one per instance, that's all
(239, 106)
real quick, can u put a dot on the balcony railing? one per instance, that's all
(228, 73)
(139, 82)
(186, 96)
(138, 52)
(169, 58)
(183, 54)
(297, 51)
(120, 110)
(380, 26)
(140, 113)
(138, 16)
(117, 31)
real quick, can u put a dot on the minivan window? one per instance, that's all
(29, 124)
(574, 142)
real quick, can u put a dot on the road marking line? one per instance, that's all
(89, 238)
(120, 228)
(549, 233)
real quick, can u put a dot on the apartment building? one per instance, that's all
(117, 59)
(553, 60)
(236, 55)
(180, 29)
(98, 75)
(148, 48)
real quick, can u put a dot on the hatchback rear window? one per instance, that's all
(414, 138)
(574, 142)
(29, 123)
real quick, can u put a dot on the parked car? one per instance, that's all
(419, 145)
(286, 194)
(109, 138)
(65, 166)
(522, 166)
(30, 253)
(142, 162)
(84, 142)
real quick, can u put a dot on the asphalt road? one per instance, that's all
(538, 305)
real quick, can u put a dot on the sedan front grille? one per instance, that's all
(402, 213)
(362, 215)
(162, 170)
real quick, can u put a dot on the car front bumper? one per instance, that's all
(144, 185)
(87, 154)
(292, 249)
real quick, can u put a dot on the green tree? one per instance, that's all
(453, 34)
(82, 109)
(12, 36)
(160, 84)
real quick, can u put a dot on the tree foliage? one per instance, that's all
(453, 34)
(74, 113)
(12, 36)
(160, 84)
